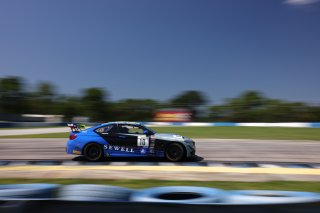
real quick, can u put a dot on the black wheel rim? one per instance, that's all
(93, 152)
(174, 153)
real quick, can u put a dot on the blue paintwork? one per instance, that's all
(77, 145)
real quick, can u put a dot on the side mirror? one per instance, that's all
(146, 132)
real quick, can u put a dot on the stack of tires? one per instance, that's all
(13, 197)
(178, 199)
(216, 200)
(91, 192)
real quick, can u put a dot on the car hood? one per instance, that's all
(169, 137)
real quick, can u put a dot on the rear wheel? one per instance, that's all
(175, 152)
(93, 152)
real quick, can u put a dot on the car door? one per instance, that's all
(139, 139)
(106, 132)
(120, 136)
(124, 141)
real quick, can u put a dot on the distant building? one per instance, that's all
(42, 118)
(173, 115)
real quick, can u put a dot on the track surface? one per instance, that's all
(208, 149)
(6, 132)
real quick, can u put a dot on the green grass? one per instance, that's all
(137, 184)
(47, 135)
(246, 132)
(30, 127)
(221, 132)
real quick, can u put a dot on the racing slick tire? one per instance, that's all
(179, 194)
(93, 152)
(92, 192)
(27, 191)
(175, 152)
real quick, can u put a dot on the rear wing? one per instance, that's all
(76, 127)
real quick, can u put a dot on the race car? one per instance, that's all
(127, 139)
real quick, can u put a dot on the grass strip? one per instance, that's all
(272, 133)
(138, 184)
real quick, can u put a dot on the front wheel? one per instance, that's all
(175, 152)
(93, 152)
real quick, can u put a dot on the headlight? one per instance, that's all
(191, 143)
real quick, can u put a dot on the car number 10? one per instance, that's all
(143, 140)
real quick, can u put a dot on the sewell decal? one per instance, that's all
(118, 148)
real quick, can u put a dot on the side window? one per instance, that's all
(104, 129)
(120, 129)
(127, 129)
(124, 129)
(136, 130)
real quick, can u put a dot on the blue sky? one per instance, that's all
(159, 48)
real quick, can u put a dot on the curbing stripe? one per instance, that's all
(119, 163)
(265, 165)
(235, 164)
(18, 163)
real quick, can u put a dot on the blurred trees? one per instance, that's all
(189, 99)
(12, 97)
(135, 109)
(69, 107)
(249, 106)
(252, 106)
(42, 100)
(95, 105)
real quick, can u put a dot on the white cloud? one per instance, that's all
(300, 2)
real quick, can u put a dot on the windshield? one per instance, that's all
(151, 131)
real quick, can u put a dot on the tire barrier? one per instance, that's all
(91, 192)
(12, 206)
(203, 195)
(38, 198)
(13, 197)
(27, 191)
(179, 194)
(257, 197)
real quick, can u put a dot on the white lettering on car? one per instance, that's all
(119, 148)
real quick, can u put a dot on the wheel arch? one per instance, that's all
(89, 143)
(185, 154)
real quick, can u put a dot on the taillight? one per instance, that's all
(72, 136)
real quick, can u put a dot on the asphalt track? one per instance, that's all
(208, 150)
(30, 131)
(211, 152)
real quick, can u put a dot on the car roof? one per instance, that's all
(121, 122)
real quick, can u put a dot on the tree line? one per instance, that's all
(95, 103)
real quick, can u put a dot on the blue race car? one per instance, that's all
(127, 139)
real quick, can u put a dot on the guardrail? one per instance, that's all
(179, 199)
(194, 124)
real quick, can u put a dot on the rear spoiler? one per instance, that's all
(76, 127)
